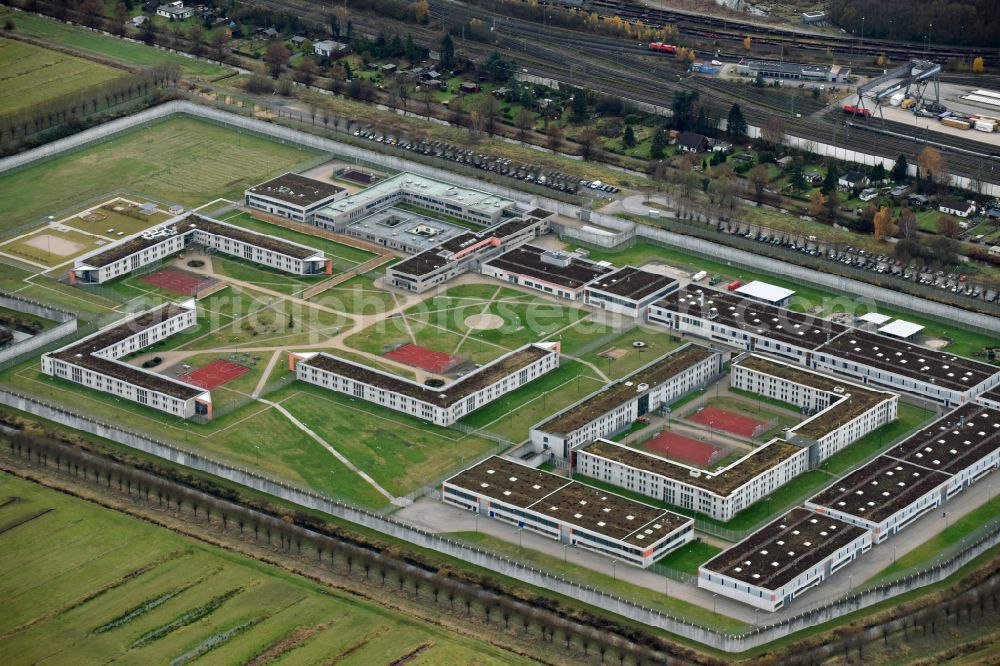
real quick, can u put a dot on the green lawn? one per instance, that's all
(605, 582)
(180, 160)
(80, 567)
(51, 247)
(513, 414)
(657, 344)
(963, 341)
(764, 399)
(344, 257)
(357, 296)
(109, 47)
(32, 75)
(909, 419)
(238, 268)
(400, 452)
(689, 557)
(583, 332)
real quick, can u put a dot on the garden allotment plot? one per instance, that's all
(54, 609)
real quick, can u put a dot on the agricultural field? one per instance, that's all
(99, 44)
(32, 75)
(85, 584)
(179, 160)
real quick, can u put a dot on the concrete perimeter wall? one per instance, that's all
(66, 326)
(404, 532)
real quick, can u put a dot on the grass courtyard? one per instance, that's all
(81, 568)
(180, 160)
(32, 75)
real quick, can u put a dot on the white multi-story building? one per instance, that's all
(552, 272)
(782, 560)
(895, 364)
(628, 291)
(841, 412)
(917, 475)
(293, 196)
(616, 406)
(93, 362)
(463, 253)
(572, 513)
(721, 493)
(441, 406)
(159, 242)
(427, 193)
(990, 399)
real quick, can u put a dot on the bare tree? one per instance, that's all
(773, 131)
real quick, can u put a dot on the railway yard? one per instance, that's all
(570, 331)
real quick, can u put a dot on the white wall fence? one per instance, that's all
(66, 326)
(986, 539)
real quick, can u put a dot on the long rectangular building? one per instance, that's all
(616, 406)
(441, 406)
(841, 412)
(917, 475)
(896, 364)
(552, 272)
(570, 512)
(293, 196)
(159, 242)
(93, 362)
(782, 560)
(628, 290)
(823, 345)
(720, 494)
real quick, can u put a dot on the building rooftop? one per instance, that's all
(423, 186)
(566, 501)
(607, 399)
(632, 283)
(763, 291)
(786, 67)
(84, 352)
(297, 190)
(561, 269)
(879, 489)
(398, 225)
(954, 442)
(444, 396)
(852, 400)
(459, 246)
(901, 329)
(728, 309)
(909, 360)
(722, 482)
(777, 553)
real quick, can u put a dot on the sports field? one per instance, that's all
(180, 160)
(685, 449)
(85, 584)
(31, 75)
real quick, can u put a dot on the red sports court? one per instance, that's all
(720, 419)
(424, 358)
(215, 374)
(180, 282)
(685, 449)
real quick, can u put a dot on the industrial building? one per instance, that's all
(840, 412)
(720, 493)
(628, 291)
(782, 560)
(293, 196)
(553, 272)
(917, 475)
(790, 70)
(572, 513)
(766, 293)
(93, 362)
(439, 405)
(159, 242)
(616, 406)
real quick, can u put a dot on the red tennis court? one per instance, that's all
(686, 449)
(180, 282)
(424, 358)
(216, 373)
(720, 419)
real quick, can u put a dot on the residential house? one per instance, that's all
(329, 48)
(919, 200)
(175, 11)
(784, 162)
(814, 178)
(469, 87)
(852, 179)
(957, 207)
(690, 142)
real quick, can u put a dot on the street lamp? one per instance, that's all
(614, 569)
(477, 522)
(565, 551)
(519, 540)
(714, 599)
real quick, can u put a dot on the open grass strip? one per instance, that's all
(139, 611)
(213, 642)
(184, 620)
